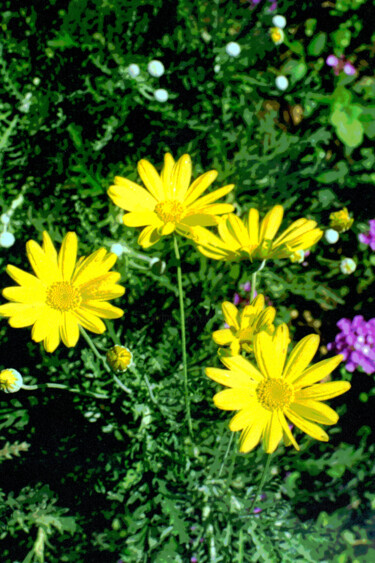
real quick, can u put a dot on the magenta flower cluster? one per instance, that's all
(369, 238)
(356, 342)
(340, 63)
(272, 7)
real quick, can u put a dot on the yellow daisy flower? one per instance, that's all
(341, 220)
(169, 203)
(276, 391)
(119, 358)
(243, 326)
(63, 294)
(240, 240)
(10, 380)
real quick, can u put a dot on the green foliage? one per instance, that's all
(93, 472)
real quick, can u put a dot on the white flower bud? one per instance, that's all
(117, 249)
(5, 219)
(16, 202)
(155, 68)
(217, 68)
(161, 95)
(6, 239)
(134, 70)
(279, 21)
(348, 266)
(233, 49)
(282, 82)
(157, 266)
(10, 380)
(331, 236)
(36, 81)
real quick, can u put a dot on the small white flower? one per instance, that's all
(10, 380)
(161, 95)
(279, 21)
(134, 70)
(36, 81)
(157, 266)
(155, 68)
(282, 82)
(348, 266)
(6, 239)
(117, 249)
(5, 219)
(233, 49)
(217, 68)
(331, 236)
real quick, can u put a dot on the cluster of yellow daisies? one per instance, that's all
(271, 392)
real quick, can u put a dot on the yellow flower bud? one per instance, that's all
(119, 358)
(341, 220)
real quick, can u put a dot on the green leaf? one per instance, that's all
(349, 130)
(334, 175)
(316, 45)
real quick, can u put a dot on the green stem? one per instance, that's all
(261, 483)
(103, 360)
(183, 335)
(226, 453)
(66, 387)
(254, 280)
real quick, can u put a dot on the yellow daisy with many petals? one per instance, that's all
(168, 203)
(63, 294)
(250, 239)
(242, 327)
(278, 390)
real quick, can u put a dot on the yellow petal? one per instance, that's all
(130, 196)
(199, 220)
(309, 428)
(141, 219)
(102, 309)
(42, 325)
(242, 419)
(217, 209)
(68, 255)
(271, 223)
(21, 277)
(199, 186)
(323, 391)
(223, 337)
(69, 329)
(250, 436)
(235, 347)
(227, 235)
(181, 176)
(213, 196)
(318, 372)
(87, 267)
(243, 366)
(253, 227)
(230, 378)
(34, 294)
(288, 436)
(166, 175)
(315, 411)
(52, 340)
(48, 247)
(297, 228)
(151, 179)
(233, 399)
(301, 356)
(270, 351)
(272, 433)
(148, 237)
(45, 269)
(90, 321)
(167, 229)
(26, 317)
(238, 230)
(231, 314)
(12, 309)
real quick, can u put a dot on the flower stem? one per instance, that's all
(66, 387)
(254, 280)
(103, 360)
(183, 335)
(226, 453)
(261, 483)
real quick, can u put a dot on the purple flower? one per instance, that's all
(349, 69)
(257, 510)
(356, 343)
(369, 238)
(332, 60)
(193, 560)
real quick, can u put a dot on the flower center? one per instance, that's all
(169, 211)
(63, 296)
(274, 394)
